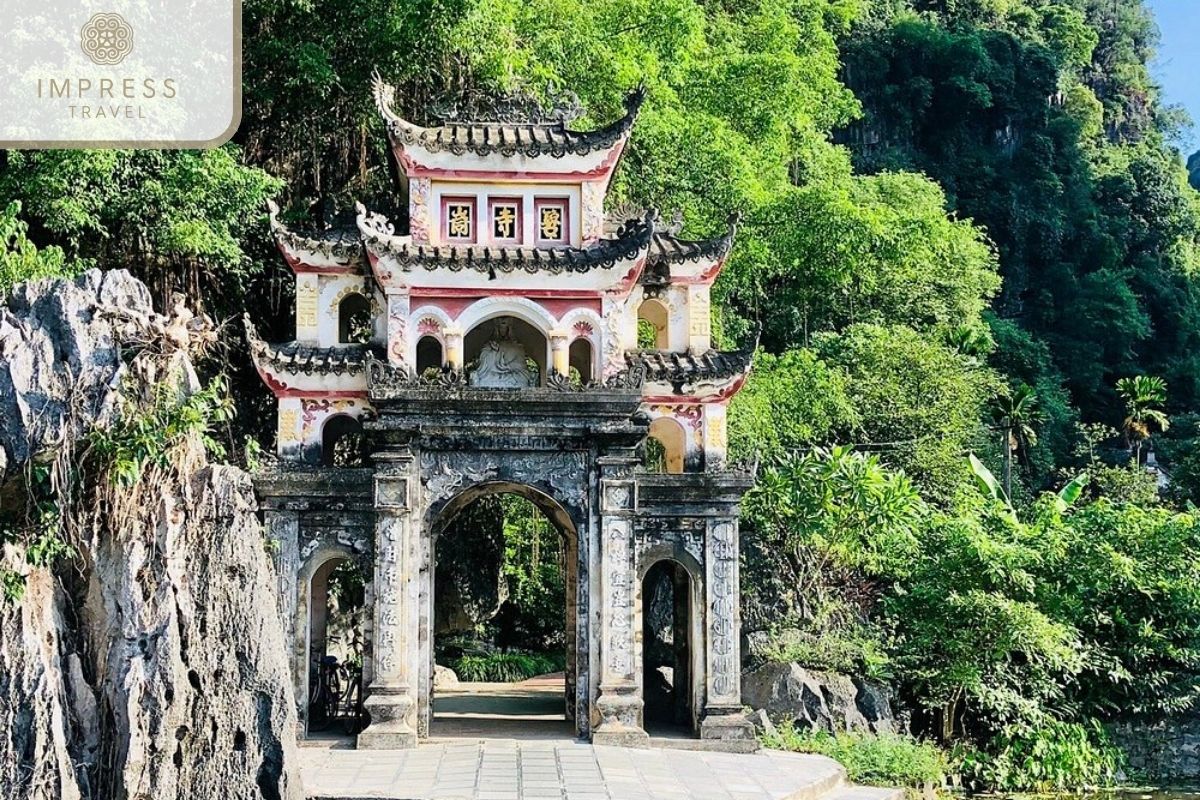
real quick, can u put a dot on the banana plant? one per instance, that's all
(990, 486)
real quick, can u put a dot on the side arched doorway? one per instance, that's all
(672, 646)
(335, 597)
(502, 614)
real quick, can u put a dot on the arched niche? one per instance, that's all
(343, 443)
(356, 320)
(670, 453)
(653, 325)
(672, 643)
(334, 620)
(581, 358)
(429, 354)
(530, 338)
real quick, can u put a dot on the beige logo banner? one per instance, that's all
(120, 73)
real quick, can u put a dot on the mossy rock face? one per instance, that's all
(151, 661)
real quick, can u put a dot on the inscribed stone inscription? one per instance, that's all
(387, 597)
(620, 659)
(722, 564)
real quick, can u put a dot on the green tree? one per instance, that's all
(20, 259)
(1143, 396)
(1014, 415)
(791, 401)
(918, 403)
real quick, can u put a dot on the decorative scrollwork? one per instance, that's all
(632, 377)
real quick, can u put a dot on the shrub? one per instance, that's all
(1053, 756)
(506, 667)
(872, 759)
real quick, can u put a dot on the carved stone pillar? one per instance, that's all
(620, 701)
(397, 327)
(390, 697)
(559, 353)
(723, 718)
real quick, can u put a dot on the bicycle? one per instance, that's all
(325, 693)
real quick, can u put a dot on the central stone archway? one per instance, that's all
(439, 516)
(435, 449)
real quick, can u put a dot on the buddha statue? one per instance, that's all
(501, 362)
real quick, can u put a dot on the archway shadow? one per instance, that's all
(529, 710)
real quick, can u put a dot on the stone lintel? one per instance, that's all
(702, 494)
(298, 481)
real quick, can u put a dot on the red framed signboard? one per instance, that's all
(551, 221)
(460, 223)
(505, 220)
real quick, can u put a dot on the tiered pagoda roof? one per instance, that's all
(674, 259)
(602, 265)
(529, 139)
(331, 250)
(296, 368)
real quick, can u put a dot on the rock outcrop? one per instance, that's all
(152, 664)
(819, 700)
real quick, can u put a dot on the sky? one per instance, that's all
(1177, 67)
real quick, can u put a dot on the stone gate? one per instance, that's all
(515, 339)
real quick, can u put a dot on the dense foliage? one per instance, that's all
(966, 230)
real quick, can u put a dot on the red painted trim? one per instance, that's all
(309, 394)
(626, 284)
(558, 307)
(281, 389)
(299, 266)
(443, 219)
(563, 204)
(706, 278)
(477, 293)
(518, 225)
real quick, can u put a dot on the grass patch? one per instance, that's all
(870, 759)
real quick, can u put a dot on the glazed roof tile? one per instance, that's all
(303, 359)
(680, 369)
(532, 139)
(631, 239)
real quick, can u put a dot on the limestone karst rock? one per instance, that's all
(153, 664)
(815, 700)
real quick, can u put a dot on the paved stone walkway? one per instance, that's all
(503, 769)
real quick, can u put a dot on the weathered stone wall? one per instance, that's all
(153, 664)
(1165, 752)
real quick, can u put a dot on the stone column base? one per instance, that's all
(729, 731)
(620, 709)
(389, 728)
